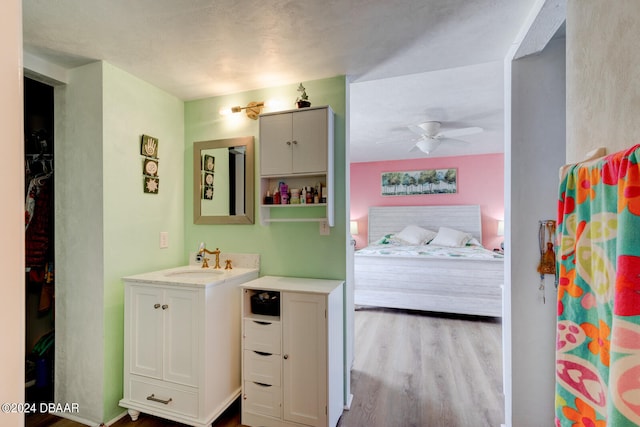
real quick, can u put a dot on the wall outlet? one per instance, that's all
(164, 239)
(324, 228)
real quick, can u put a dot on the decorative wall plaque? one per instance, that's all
(150, 164)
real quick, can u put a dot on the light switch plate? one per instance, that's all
(164, 239)
(324, 228)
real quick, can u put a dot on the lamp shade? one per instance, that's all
(353, 228)
(500, 228)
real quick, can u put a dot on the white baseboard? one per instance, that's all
(347, 406)
(117, 418)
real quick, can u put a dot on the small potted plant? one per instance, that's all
(303, 100)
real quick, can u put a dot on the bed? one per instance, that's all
(407, 277)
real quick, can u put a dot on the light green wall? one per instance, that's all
(106, 226)
(288, 249)
(133, 219)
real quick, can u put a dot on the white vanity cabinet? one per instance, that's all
(182, 351)
(163, 324)
(297, 147)
(292, 362)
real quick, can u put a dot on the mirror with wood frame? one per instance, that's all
(223, 181)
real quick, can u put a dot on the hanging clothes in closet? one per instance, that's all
(598, 328)
(38, 226)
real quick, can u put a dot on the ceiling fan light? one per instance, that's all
(427, 145)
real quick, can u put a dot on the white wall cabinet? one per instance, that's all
(294, 142)
(296, 147)
(182, 346)
(292, 362)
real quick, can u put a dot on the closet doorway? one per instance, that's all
(39, 241)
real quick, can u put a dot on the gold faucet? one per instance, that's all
(202, 250)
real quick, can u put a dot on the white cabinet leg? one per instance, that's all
(133, 414)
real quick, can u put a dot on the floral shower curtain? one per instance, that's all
(598, 329)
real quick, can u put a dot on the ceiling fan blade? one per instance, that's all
(460, 132)
(454, 141)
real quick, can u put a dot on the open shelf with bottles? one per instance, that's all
(297, 212)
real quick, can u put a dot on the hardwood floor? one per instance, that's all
(419, 369)
(410, 369)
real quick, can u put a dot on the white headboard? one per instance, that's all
(392, 219)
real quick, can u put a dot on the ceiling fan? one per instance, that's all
(431, 136)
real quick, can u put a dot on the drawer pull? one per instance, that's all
(155, 399)
(261, 323)
(286, 356)
(165, 306)
(262, 353)
(156, 305)
(262, 384)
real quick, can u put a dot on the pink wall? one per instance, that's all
(480, 182)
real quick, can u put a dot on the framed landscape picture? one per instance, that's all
(429, 181)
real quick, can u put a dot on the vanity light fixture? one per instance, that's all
(253, 109)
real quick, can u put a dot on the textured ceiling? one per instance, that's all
(459, 97)
(408, 60)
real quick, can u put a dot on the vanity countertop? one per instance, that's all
(293, 284)
(195, 276)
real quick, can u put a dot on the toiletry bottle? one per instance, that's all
(284, 193)
(295, 196)
(276, 198)
(309, 195)
(303, 196)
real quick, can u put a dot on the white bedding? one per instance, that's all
(429, 251)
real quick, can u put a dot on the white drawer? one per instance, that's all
(262, 336)
(165, 397)
(262, 399)
(262, 368)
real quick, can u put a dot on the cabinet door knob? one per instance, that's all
(286, 356)
(165, 306)
(244, 396)
(295, 142)
(156, 305)
(288, 142)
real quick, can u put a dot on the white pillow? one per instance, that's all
(451, 238)
(414, 235)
